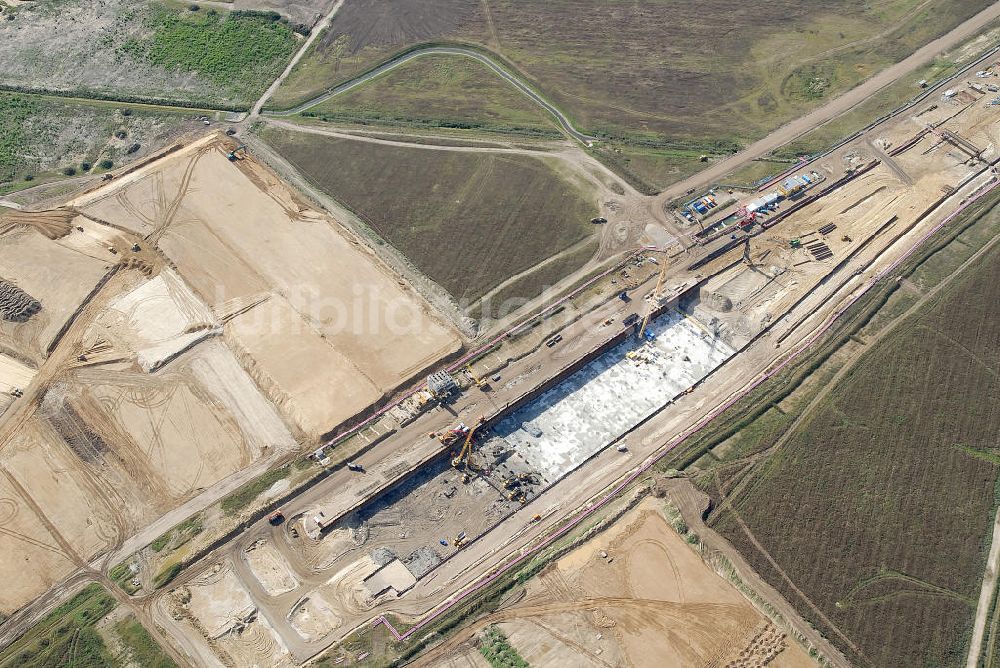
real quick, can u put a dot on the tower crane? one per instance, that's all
(654, 299)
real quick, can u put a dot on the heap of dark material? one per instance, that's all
(16, 304)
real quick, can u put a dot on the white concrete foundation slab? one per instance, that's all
(583, 414)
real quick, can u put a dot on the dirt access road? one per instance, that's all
(836, 106)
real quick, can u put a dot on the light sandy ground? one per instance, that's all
(55, 275)
(110, 450)
(313, 617)
(33, 560)
(13, 375)
(159, 319)
(255, 645)
(261, 339)
(56, 479)
(237, 233)
(218, 601)
(270, 568)
(651, 602)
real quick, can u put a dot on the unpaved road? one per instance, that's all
(692, 505)
(985, 597)
(313, 34)
(504, 74)
(837, 106)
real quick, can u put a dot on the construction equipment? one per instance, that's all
(238, 153)
(956, 139)
(452, 436)
(653, 301)
(462, 461)
(480, 382)
(276, 518)
(459, 542)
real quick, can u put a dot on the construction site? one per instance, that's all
(171, 334)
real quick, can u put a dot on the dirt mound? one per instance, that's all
(16, 304)
(53, 224)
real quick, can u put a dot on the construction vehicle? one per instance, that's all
(452, 436)
(481, 383)
(238, 153)
(357, 468)
(463, 461)
(276, 518)
(459, 542)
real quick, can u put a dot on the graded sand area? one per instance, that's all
(13, 375)
(57, 276)
(285, 278)
(109, 450)
(651, 602)
(33, 560)
(159, 319)
(270, 568)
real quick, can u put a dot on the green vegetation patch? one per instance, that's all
(143, 650)
(14, 111)
(440, 90)
(46, 138)
(469, 221)
(249, 492)
(496, 648)
(241, 52)
(66, 637)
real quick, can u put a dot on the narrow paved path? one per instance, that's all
(563, 121)
(313, 34)
(985, 597)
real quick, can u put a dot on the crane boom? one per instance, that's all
(653, 300)
(462, 460)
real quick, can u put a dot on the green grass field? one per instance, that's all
(443, 91)
(467, 220)
(69, 637)
(240, 52)
(879, 505)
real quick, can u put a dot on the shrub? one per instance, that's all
(69, 171)
(164, 577)
(29, 177)
(107, 164)
(85, 166)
